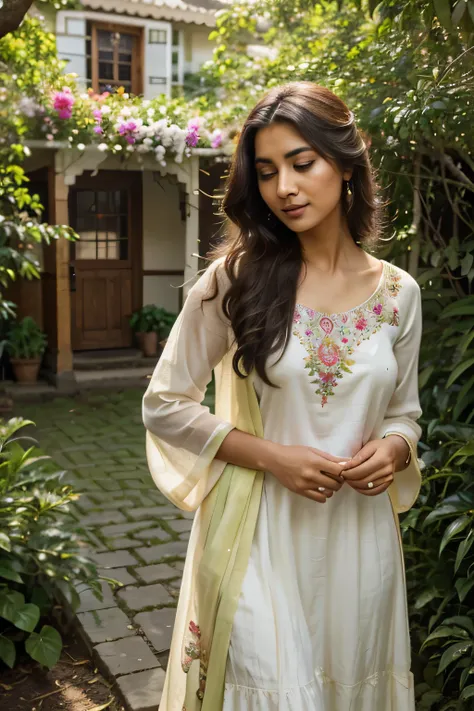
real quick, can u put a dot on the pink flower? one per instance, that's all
(361, 324)
(296, 317)
(377, 309)
(130, 140)
(127, 127)
(63, 103)
(328, 353)
(98, 129)
(192, 136)
(395, 309)
(217, 140)
(310, 313)
(194, 629)
(308, 332)
(327, 378)
(97, 114)
(345, 340)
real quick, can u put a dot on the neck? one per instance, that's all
(329, 244)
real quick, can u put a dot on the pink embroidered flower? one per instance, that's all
(328, 378)
(308, 332)
(377, 309)
(395, 309)
(361, 323)
(296, 317)
(194, 629)
(344, 318)
(63, 102)
(345, 340)
(326, 324)
(310, 313)
(328, 353)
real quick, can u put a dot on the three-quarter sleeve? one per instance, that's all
(404, 409)
(182, 435)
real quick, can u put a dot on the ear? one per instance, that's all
(347, 175)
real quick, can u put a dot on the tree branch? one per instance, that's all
(12, 13)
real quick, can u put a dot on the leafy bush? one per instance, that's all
(153, 318)
(39, 550)
(25, 339)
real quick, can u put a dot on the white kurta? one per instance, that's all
(322, 622)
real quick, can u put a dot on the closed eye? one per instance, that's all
(300, 167)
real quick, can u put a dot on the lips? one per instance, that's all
(294, 208)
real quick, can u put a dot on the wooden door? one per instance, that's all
(105, 275)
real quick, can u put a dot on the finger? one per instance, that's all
(375, 477)
(366, 469)
(362, 456)
(378, 487)
(329, 457)
(314, 495)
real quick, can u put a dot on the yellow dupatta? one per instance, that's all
(226, 498)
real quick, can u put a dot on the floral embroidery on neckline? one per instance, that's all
(330, 339)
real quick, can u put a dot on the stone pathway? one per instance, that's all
(136, 535)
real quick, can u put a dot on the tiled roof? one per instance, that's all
(199, 12)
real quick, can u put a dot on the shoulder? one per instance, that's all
(401, 283)
(213, 278)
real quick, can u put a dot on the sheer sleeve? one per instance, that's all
(404, 410)
(182, 436)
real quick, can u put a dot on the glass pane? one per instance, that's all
(89, 68)
(175, 57)
(125, 72)
(104, 39)
(106, 56)
(124, 226)
(122, 199)
(103, 201)
(88, 47)
(85, 223)
(85, 202)
(86, 249)
(125, 43)
(127, 58)
(106, 70)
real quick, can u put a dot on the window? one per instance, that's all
(157, 37)
(101, 220)
(177, 59)
(113, 57)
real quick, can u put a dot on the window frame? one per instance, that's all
(137, 54)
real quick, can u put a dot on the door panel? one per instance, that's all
(104, 261)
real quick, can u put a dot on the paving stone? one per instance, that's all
(105, 625)
(114, 543)
(155, 512)
(162, 550)
(110, 485)
(85, 503)
(181, 525)
(148, 533)
(114, 559)
(120, 528)
(117, 503)
(179, 565)
(136, 598)
(158, 626)
(97, 519)
(153, 573)
(134, 484)
(142, 691)
(126, 655)
(185, 536)
(90, 602)
(120, 574)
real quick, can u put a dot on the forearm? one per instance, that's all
(401, 451)
(246, 450)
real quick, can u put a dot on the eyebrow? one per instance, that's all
(290, 154)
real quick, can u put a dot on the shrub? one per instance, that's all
(25, 339)
(153, 318)
(39, 549)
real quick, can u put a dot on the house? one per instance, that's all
(142, 225)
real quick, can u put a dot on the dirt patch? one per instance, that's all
(74, 684)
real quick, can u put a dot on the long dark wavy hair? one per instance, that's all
(263, 257)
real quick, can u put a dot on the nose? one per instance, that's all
(286, 185)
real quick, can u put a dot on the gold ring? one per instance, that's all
(370, 485)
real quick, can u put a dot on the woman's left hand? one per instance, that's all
(376, 462)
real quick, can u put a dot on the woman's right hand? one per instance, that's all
(304, 469)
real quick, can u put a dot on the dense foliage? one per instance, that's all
(39, 548)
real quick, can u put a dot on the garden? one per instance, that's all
(406, 70)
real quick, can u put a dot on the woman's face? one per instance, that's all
(299, 186)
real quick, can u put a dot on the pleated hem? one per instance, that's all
(385, 689)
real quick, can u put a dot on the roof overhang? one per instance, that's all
(171, 10)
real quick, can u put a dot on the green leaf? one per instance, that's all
(5, 542)
(425, 375)
(10, 574)
(455, 527)
(459, 370)
(45, 647)
(464, 547)
(453, 653)
(467, 692)
(10, 602)
(468, 260)
(463, 586)
(27, 618)
(425, 597)
(444, 631)
(461, 621)
(7, 651)
(443, 12)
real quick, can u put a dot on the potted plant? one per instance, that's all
(25, 343)
(151, 324)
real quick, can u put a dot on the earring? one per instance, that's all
(349, 193)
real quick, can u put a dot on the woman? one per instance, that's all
(293, 595)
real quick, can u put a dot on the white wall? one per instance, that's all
(163, 241)
(199, 49)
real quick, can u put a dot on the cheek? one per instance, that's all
(325, 183)
(268, 194)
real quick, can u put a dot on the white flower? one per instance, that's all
(130, 148)
(162, 110)
(105, 109)
(118, 147)
(26, 151)
(160, 151)
(84, 95)
(163, 163)
(126, 111)
(102, 146)
(150, 113)
(148, 141)
(80, 146)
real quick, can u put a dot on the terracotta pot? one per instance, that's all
(149, 343)
(26, 369)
